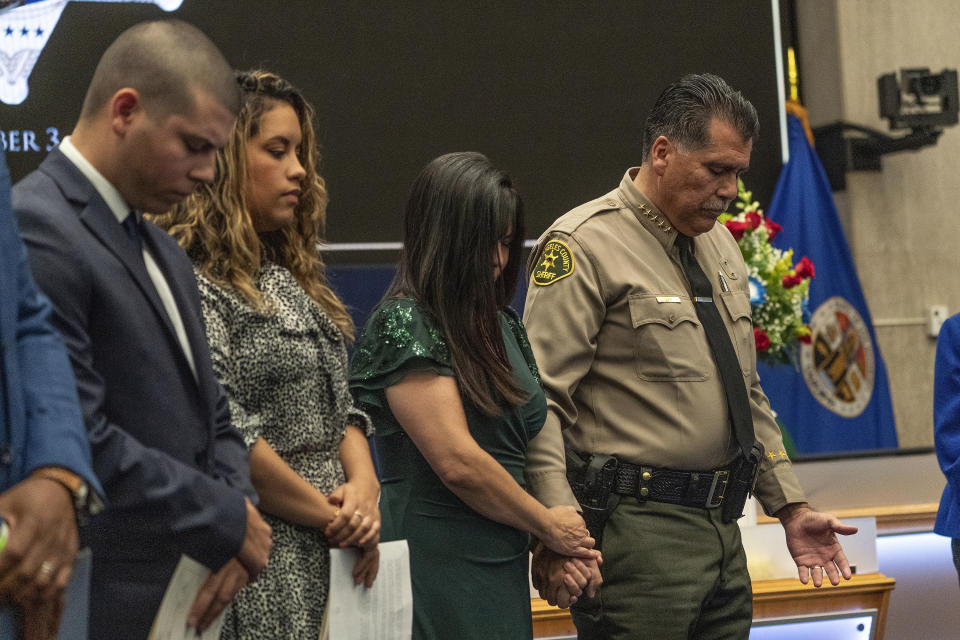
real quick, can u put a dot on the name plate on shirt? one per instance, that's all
(662, 299)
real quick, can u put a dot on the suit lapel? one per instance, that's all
(101, 222)
(96, 215)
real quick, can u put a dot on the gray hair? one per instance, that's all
(684, 110)
(167, 62)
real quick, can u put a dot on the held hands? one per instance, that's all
(812, 541)
(256, 543)
(357, 519)
(565, 564)
(566, 533)
(561, 580)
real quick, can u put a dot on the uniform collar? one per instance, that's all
(647, 213)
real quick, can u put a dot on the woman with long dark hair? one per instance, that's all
(446, 373)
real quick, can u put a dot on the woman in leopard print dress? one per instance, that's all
(277, 336)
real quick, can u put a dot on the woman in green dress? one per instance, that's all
(445, 371)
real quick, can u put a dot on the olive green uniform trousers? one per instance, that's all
(669, 573)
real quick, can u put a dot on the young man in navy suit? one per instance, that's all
(162, 101)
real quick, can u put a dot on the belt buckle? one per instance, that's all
(717, 489)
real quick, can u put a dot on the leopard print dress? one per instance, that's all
(285, 373)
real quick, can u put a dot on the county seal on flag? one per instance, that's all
(555, 263)
(838, 363)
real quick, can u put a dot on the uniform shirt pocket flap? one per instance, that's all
(667, 310)
(737, 303)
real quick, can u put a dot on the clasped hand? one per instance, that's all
(357, 524)
(565, 564)
(567, 534)
(561, 580)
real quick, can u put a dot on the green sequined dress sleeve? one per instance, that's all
(398, 339)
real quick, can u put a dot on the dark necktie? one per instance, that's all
(724, 355)
(131, 224)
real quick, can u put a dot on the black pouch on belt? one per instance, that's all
(743, 476)
(592, 478)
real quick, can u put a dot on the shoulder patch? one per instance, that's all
(555, 263)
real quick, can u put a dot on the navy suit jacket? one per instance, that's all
(38, 397)
(174, 469)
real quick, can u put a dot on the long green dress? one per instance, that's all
(469, 573)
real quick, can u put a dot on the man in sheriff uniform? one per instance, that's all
(639, 315)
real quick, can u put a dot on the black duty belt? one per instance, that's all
(689, 488)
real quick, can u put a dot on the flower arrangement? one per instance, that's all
(778, 288)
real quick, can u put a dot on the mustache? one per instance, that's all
(717, 205)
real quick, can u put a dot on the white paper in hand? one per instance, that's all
(382, 612)
(171, 620)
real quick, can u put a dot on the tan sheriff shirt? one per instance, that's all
(623, 357)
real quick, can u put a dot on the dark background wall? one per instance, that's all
(553, 92)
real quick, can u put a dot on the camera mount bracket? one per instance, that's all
(840, 153)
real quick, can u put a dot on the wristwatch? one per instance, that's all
(85, 503)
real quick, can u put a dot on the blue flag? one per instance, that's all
(839, 400)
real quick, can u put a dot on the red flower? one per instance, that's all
(806, 338)
(804, 268)
(736, 228)
(760, 337)
(772, 228)
(790, 281)
(753, 219)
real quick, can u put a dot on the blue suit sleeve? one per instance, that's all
(946, 401)
(53, 433)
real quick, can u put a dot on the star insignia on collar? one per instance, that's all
(661, 223)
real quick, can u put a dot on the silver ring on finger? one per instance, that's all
(46, 568)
